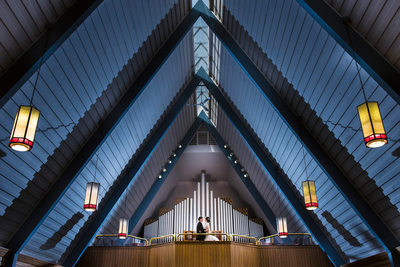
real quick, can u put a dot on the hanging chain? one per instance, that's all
(95, 170)
(304, 160)
(40, 66)
(358, 68)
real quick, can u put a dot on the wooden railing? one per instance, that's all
(164, 239)
(144, 240)
(243, 239)
(271, 237)
(225, 237)
(189, 236)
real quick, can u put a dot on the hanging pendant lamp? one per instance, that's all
(92, 192)
(309, 190)
(24, 129)
(310, 195)
(372, 124)
(281, 223)
(25, 122)
(123, 228)
(91, 196)
(370, 117)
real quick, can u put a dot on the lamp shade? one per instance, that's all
(123, 228)
(24, 129)
(310, 195)
(91, 196)
(281, 223)
(372, 125)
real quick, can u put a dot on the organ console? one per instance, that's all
(184, 215)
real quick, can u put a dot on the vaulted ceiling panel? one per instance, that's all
(77, 88)
(21, 24)
(137, 190)
(114, 153)
(319, 82)
(377, 21)
(274, 133)
(258, 175)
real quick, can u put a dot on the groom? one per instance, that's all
(200, 229)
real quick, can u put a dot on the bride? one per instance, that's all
(207, 230)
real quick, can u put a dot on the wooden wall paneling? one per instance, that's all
(244, 255)
(162, 255)
(26, 261)
(200, 254)
(114, 256)
(210, 254)
(293, 256)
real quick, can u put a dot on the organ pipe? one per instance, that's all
(207, 212)
(203, 179)
(198, 200)
(211, 211)
(184, 215)
(195, 216)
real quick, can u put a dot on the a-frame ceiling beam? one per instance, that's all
(23, 68)
(355, 45)
(123, 182)
(273, 172)
(375, 224)
(49, 201)
(263, 205)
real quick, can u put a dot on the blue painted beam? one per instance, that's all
(49, 201)
(366, 55)
(122, 183)
(44, 47)
(273, 172)
(246, 181)
(375, 224)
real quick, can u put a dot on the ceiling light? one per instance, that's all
(372, 125)
(91, 196)
(123, 228)
(24, 129)
(281, 223)
(310, 195)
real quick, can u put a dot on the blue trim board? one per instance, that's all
(273, 172)
(246, 181)
(49, 201)
(375, 224)
(122, 183)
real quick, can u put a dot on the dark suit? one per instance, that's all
(200, 229)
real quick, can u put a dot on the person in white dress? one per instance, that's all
(207, 228)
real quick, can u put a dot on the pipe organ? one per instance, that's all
(184, 215)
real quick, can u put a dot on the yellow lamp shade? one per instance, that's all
(372, 125)
(281, 223)
(91, 196)
(24, 129)
(310, 195)
(123, 228)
